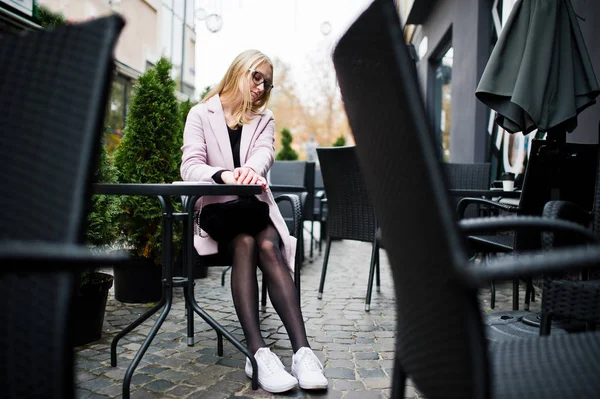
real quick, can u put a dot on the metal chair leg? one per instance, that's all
(515, 294)
(372, 267)
(223, 273)
(377, 272)
(324, 270)
(263, 299)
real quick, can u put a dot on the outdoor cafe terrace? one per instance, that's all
(355, 347)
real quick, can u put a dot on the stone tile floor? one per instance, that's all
(355, 347)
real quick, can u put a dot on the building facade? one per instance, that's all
(154, 29)
(453, 40)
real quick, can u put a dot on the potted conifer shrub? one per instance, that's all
(146, 154)
(101, 232)
(287, 153)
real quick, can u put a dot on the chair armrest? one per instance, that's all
(564, 210)
(531, 264)
(465, 202)
(294, 201)
(28, 256)
(320, 194)
(482, 225)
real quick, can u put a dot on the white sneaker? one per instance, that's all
(272, 376)
(307, 368)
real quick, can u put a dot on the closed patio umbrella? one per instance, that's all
(539, 75)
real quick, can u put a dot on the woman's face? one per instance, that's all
(261, 80)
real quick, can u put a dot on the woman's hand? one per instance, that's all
(245, 175)
(228, 177)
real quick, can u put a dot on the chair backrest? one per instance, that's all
(52, 93)
(564, 171)
(288, 172)
(296, 173)
(319, 186)
(467, 176)
(54, 87)
(440, 340)
(350, 212)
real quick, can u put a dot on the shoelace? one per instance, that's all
(271, 362)
(310, 362)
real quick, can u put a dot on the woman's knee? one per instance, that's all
(244, 242)
(269, 248)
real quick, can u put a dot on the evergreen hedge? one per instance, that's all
(148, 153)
(101, 221)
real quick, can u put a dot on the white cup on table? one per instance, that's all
(508, 185)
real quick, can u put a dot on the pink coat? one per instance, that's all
(207, 149)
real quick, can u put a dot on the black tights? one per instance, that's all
(263, 250)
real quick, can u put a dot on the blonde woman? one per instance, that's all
(228, 138)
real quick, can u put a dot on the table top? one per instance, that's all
(484, 193)
(179, 188)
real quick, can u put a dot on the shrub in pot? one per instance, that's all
(147, 153)
(287, 153)
(101, 232)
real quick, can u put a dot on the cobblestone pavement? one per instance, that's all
(355, 347)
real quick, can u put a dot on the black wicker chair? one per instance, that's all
(440, 340)
(299, 174)
(54, 87)
(569, 296)
(350, 213)
(319, 210)
(549, 173)
(468, 176)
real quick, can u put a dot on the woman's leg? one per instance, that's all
(282, 290)
(244, 289)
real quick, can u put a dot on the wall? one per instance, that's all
(469, 24)
(138, 40)
(587, 129)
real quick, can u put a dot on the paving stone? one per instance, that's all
(364, 395)
(367, 356)
(95, 384)
(377, 383)
(365, 373)
(344, 385)
(159, 385)
(112, 391)
(340, 372)
(174, 376)
(145, 394)
(141, 379)
(368, 364)
(340, 363)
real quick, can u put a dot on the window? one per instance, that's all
(442, 100)
(120, 95)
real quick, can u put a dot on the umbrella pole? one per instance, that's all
(556, 138)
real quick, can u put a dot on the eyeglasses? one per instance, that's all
(258, 79)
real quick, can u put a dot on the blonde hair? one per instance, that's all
(229, 86)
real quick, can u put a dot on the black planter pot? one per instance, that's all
(199, 270)
(89, 307)
(140, 281)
